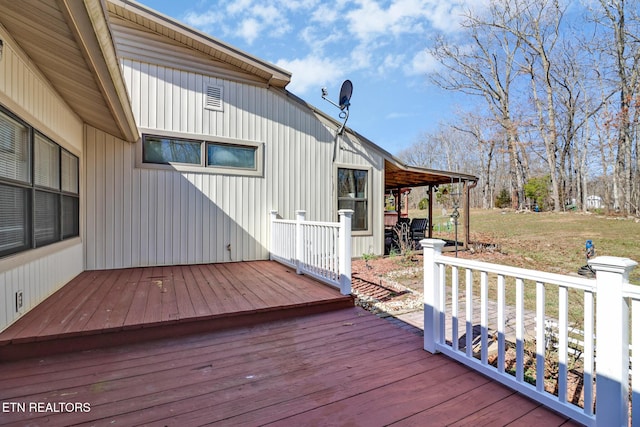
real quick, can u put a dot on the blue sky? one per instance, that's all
(380, 45)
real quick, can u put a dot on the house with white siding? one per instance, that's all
(128, 139)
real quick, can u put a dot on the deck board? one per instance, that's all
(343, 367)
(156, 299)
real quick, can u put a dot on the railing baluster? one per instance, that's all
(588, 353)
(635, 357)
(484, 315)
(519, 329)
(563, 342)
(501, 323)
(614, 298)
(443, 301)
(454, 307)
(469, 312)
(540, 336)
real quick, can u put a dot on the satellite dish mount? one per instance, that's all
(343, 102)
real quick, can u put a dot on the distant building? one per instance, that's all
(594, 202)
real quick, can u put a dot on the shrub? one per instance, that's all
(423, 204)
(504, 199)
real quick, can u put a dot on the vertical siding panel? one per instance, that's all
(90, 200)
(127, 237)
(159, 230)
(205, 215)
(168, 215)
(144, 95)
(199, 218)
(135, 218)
(143, 226)
(116, 203)
(152, 90)
(152, 217)
(100, 197)
(108, 207)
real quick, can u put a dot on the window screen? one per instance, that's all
(47, 163)
(15, 160)
(13, 219)
(70, 216)
(47, 218)
(69, 166)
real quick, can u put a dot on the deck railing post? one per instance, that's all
(300, 216)
(273, 215)
(432, 249)
(612, 340)
(344, 249)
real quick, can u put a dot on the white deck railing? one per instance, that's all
(319, 249)
(506, 340)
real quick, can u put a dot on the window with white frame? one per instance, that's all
(353, 193)
(39, 205)
(221, 155)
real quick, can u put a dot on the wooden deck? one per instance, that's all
(115, 307)
(345, 367)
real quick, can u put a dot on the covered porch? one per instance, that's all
(398, 178)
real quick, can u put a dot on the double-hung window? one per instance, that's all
(353, 193)
(212, 155)
(39, 197)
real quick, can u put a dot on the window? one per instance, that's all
(230, 156)
(222, 155)
(353, 193)
(169, 150)
(39, 205)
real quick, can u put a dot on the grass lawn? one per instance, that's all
(552, 242)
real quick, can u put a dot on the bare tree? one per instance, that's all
(486, 68)
(621, 22)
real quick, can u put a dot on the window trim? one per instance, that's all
(368, 198)
(202, 167)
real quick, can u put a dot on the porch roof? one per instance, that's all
(70, 43)
(397, 175)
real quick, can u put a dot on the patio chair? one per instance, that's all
(418, 229)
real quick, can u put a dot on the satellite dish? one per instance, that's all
(343, 102)
(345, 94)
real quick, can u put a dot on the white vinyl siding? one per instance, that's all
(36, 272)
(28, 94)
(37, 279)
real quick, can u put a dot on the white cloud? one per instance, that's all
(311, 73)
(422, 63)
(249, 29)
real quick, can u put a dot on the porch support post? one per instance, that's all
(344, 249)
(432, 331)
(612, 340)
(300, 217)
(430, 198)
(273, 215)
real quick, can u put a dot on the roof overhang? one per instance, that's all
(398, 175)
(70, 43)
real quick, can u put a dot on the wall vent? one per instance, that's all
(214, 98)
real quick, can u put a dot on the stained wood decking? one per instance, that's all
(345, 367)
(113, 307)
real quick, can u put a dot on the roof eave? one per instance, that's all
(88, 20)
(277, 76)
